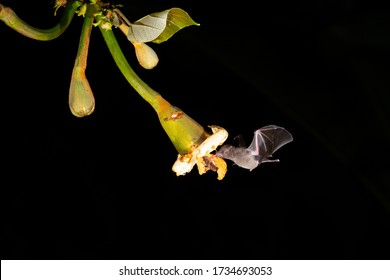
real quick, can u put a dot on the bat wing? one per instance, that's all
(268, 140)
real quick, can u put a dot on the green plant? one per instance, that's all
(193, 143)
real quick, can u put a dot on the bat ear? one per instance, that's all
(241, 141)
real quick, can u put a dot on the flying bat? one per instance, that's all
(266, 141)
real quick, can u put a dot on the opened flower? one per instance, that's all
(203, 157)
(193, 143)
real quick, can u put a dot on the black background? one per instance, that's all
(101, 187)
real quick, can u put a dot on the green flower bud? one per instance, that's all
(81, 99)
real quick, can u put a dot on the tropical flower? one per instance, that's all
(202, 156)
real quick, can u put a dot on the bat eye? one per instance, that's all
(228, 148)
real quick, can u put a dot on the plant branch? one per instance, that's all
(9, 17)
(184, 132)
(82, 52)
(146, 92)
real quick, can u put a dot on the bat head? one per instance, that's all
(225, 151)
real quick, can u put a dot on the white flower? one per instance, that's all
(202, 156)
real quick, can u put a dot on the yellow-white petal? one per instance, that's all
(185, 163)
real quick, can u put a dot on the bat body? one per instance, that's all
(266, 141)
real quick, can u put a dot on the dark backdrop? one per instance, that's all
(101, 187)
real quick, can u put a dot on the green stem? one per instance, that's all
(82, 53)
(146, 92)
(9, 17)
(184, 132)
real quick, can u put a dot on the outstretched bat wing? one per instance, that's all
(268, 140)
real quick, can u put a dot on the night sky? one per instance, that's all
(101, 187)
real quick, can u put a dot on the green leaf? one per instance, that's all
(159, 27)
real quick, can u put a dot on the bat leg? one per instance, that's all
(270, 160)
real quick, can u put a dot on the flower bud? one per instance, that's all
(146, 56)
(81, 99)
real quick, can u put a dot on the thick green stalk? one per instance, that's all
(82, 52)
(147, 93)
(184, 132)
(12, 20)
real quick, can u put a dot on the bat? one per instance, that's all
(266, 141)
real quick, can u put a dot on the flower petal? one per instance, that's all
(202, 156)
